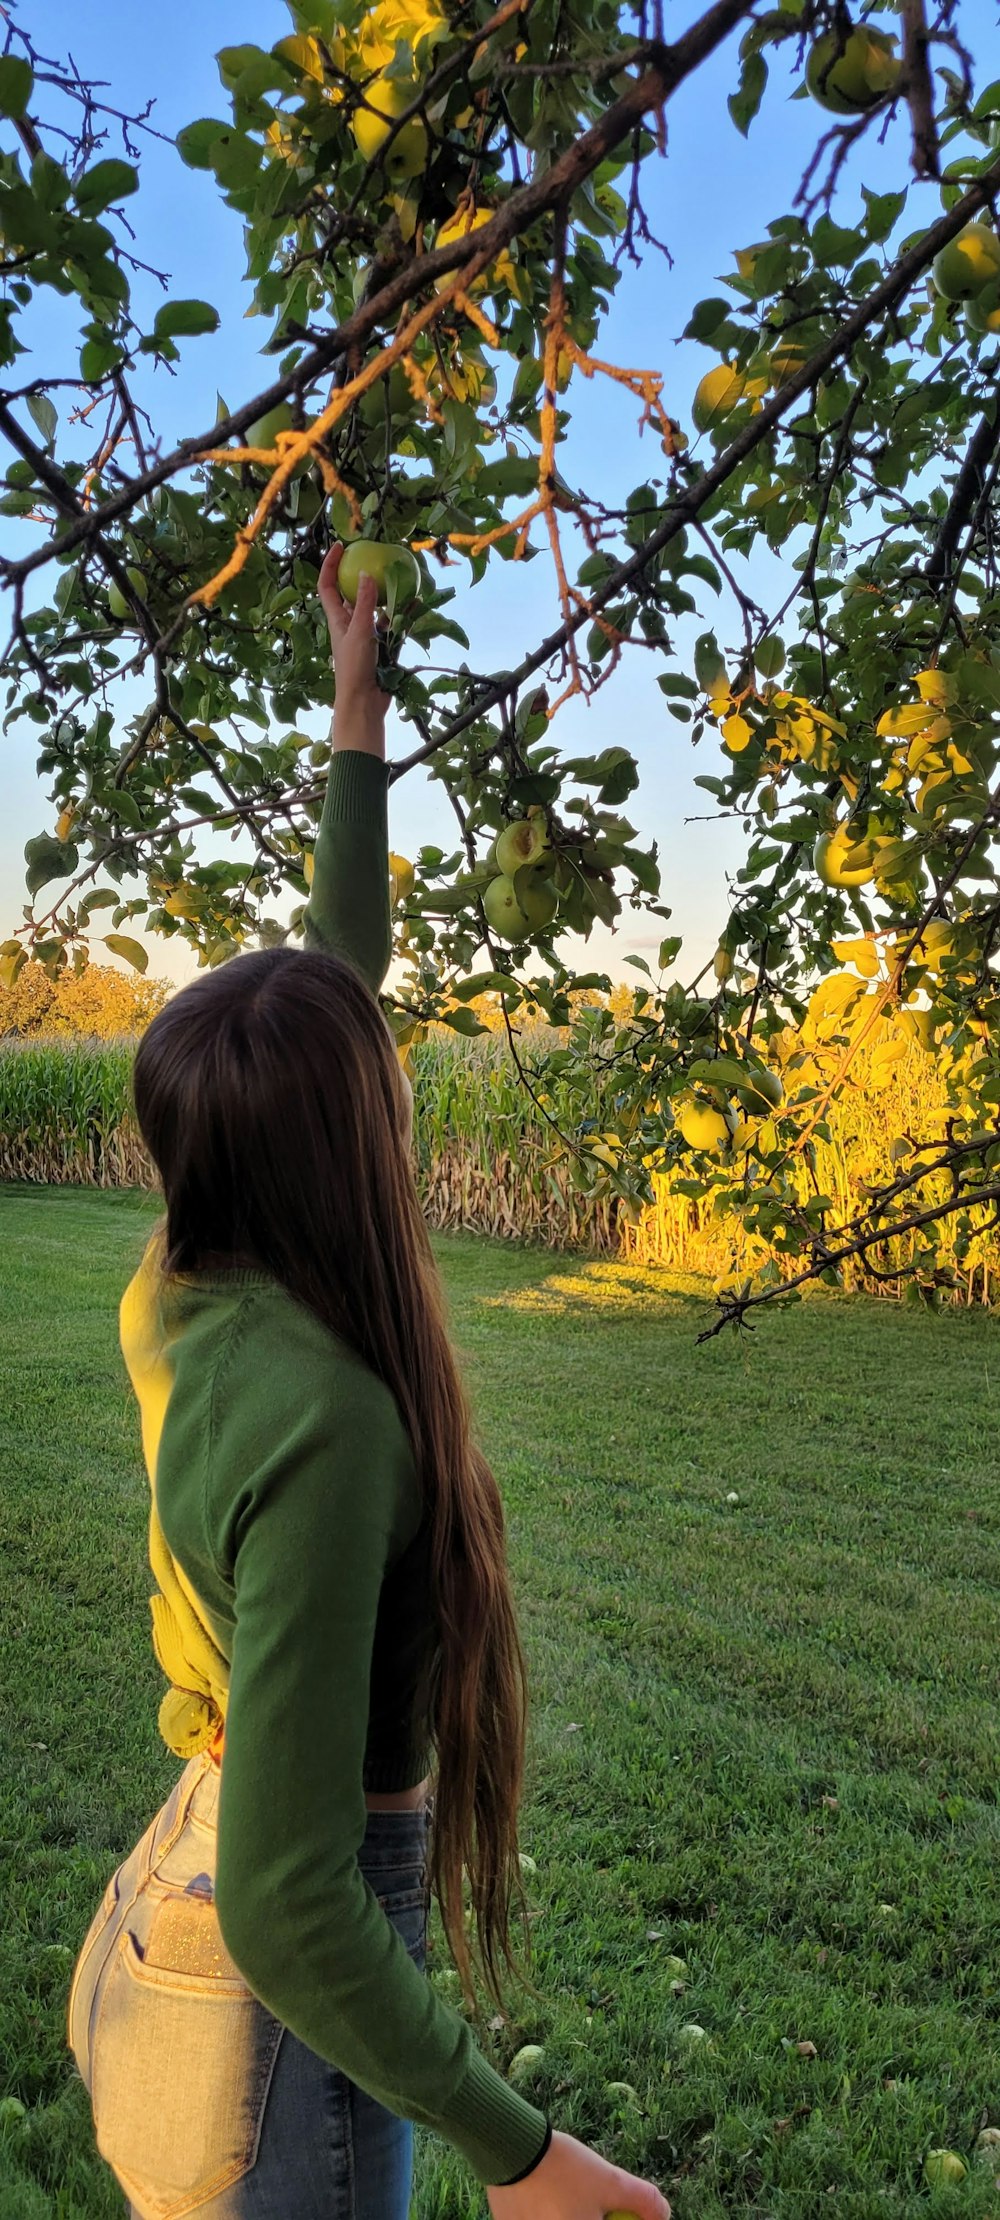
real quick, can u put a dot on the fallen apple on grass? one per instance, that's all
(943, 2169)
(525, 2061)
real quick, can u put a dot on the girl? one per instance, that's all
(249, 2010)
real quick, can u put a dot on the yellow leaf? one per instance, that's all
(936, 686)
(304, 53)
(67, 818)
(737, 734)
(307, 866)
(833, 996)
(858, 952)
(921, 746)
(11, 962)
(401, 878)
(903, 720)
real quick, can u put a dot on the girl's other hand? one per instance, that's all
(572, 2182)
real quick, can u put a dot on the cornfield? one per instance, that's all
(487, 1155)
(64, 1115)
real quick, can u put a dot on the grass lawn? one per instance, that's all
(764, 1731)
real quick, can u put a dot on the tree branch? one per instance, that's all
(968, 490)
(669, 68)
(919, 88)
(734, 1312)
(689, 504)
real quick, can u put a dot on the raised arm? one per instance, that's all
(348, 908)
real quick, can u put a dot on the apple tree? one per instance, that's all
(438, 197)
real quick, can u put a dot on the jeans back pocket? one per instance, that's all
(183, 2054)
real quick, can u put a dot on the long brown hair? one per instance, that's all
(270, 1098)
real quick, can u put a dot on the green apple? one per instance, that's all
(388, 97)
(525, 841)
(851, 75)
(535, 896)
(968, 264)
(704, 1127)
(371, 407)
(717, 395)
(762, 1093)
(117, 603)
(264, 431)
(616, 2215)
(504, 914)
(982, 313)
(387, 562)
(693, 2037)
(943, 2169)
(839, 861)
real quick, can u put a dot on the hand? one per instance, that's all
(574, 2183)
(360, 707)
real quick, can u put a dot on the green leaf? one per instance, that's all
(102, 898)
(483, 982)
(709, 668)
(104, 183)
(884, 209)
(706, 318)
(744, 103)
(185, 320)
(131, 950)
(672, 682)
(833, 246)
(463, 1021)
(15, 85)
(98, 356)
(47, 859)
(248, 71)
(43, 414)
(769, 655)
(194, 144)
(698, 566)
(49, 181)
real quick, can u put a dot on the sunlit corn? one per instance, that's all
(488, 1158)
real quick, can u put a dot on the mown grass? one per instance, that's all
(764, 1733)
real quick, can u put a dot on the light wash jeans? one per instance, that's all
(202, 2101)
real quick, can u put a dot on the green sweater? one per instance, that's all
(289, 1545)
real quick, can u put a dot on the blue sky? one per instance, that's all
(713, 192)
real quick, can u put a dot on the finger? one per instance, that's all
(335, 607)
(364, 607)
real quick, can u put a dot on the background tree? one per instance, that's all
(437, 203)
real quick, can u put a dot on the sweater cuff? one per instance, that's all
(357, 787)
(499, 2133)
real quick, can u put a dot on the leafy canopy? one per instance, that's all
(437, 202)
